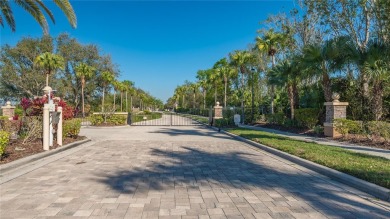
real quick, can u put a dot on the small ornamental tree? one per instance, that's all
(34, 107)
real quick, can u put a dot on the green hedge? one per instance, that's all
(346, 126)
(276, 118)
(224, 122)
(379, 128)
(98, 119)
(4, 140)
(307, 117)
(71, 128)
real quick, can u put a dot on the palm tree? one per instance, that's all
(35, 8)
(323, 60)
(107, 78)
(226, 72)
(194, 87)
(241, 60)
(201, 75)
(212, 78)
(50, 62)
(128, 88)
(377, 67)
(286, 74)
(122, 88)
(271, 43)
(83, 71)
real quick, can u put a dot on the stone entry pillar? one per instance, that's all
(334, 110)
(217, 112)
(8, 110)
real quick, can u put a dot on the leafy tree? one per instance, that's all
(18, 75)
(50, 63)
(36, 9)
(84, 72)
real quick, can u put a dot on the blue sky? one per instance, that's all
(158, 44)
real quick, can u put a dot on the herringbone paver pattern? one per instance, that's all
(152, 172)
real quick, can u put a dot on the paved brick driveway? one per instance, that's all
(183, 172)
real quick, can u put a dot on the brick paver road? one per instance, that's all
(178, 172)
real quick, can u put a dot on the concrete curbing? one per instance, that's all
(370, 188)
(23, 161)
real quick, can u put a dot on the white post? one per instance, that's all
(46, 129)
(59, 127)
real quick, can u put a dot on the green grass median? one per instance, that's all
(369, 168)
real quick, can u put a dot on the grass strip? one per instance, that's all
(366, 167)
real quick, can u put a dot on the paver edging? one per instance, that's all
(20, 162)
(370, 188)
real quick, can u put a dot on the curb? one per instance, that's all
(367, 187)
(18, 163)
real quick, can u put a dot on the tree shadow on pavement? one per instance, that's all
(201, 131)
(245, 175)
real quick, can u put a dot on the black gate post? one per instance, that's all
(128, 118)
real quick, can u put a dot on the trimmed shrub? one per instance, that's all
(96, 119)
(379, 128)
(276, 118)
(4, 140)
(307, 117)
(71, 128)
(318, 129)
(110, 119)
(346, 126)
(224, 122)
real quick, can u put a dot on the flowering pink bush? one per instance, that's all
(34, 107)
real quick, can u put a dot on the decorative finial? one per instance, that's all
(8, 103)
(217, 103)
(336, 97)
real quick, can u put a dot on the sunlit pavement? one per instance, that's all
(178, 172)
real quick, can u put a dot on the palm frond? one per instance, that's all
(67, 8)
(48, 12)
(8, 16)
(33, 9)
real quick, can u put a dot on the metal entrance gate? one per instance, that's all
(162, 119)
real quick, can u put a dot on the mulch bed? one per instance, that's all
(16, 150)
(351, 138)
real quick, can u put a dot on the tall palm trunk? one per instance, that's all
(296, 95)
(377, 99)
(224, 101)
(290, 91)
(204, 99)
(114, 100)
(127, 108)
(131, 103)
(194, 103)
(326, 84)
(273, 89)
(121, 101)
(82, 96)
(103, 99)
(215, 94)
(47, 79)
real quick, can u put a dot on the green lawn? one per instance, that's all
(370, 168)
